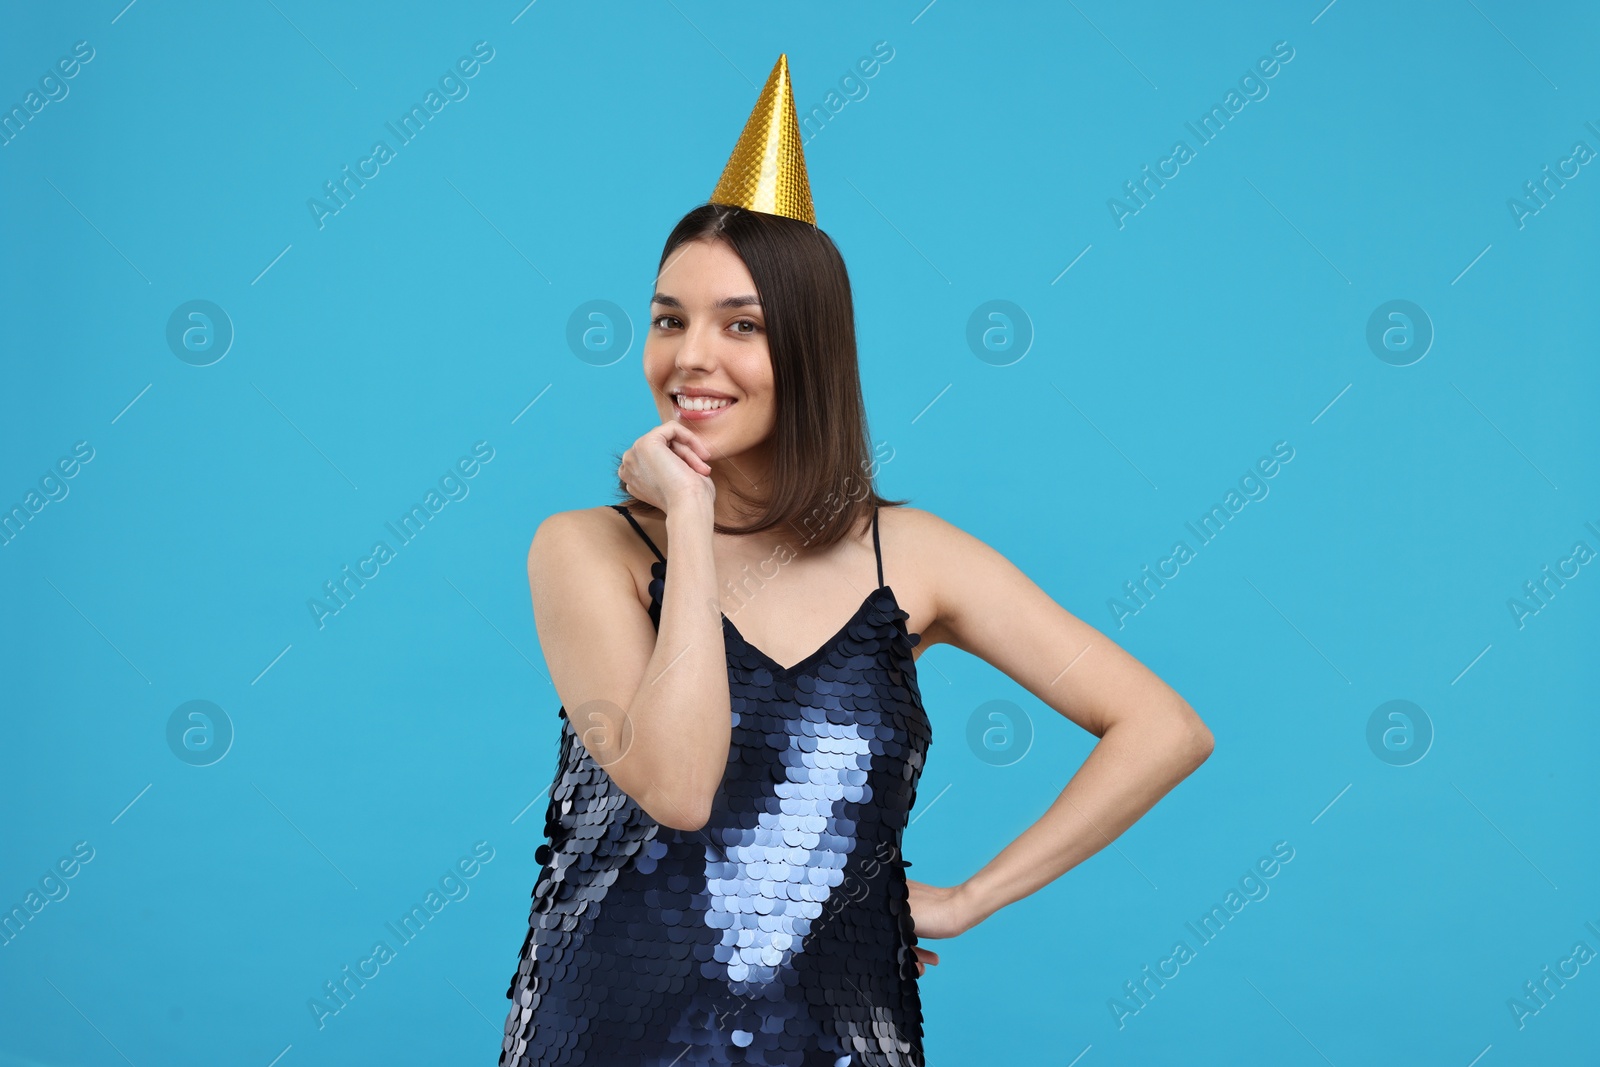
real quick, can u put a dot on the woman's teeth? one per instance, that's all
(701, 403)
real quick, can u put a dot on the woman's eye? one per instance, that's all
(668, 322)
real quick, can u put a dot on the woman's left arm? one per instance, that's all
(1150, 738)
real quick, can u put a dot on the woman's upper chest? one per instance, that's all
(787, 602)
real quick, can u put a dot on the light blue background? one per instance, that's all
(1229, 314)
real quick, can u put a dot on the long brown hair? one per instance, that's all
(822, 483)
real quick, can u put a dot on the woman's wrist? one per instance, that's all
(692, 509)
(976, 902)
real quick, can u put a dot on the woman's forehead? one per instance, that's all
(705, 275)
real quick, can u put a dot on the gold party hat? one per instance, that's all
(767, 171)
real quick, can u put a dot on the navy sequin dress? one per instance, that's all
(779, 932)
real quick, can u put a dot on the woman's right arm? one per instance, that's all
(651, 707)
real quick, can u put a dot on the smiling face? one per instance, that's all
(705, 354)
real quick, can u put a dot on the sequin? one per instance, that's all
(779, 932)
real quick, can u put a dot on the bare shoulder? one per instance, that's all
(586, 550)
(558, 537)
(924, 550)
(580, 519)
(580, 529)
(583, 539)
(927, 540)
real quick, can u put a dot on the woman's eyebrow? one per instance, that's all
(746, 300)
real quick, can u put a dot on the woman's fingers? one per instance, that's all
(700, 446)
(679, 432)
(687, 446)
(689, 456)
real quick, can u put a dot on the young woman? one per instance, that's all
(723, 881)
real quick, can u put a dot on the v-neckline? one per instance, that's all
(825, 647)
(658, 571)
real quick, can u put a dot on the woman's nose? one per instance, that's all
(695, 351)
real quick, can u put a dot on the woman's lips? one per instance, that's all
(693, 415)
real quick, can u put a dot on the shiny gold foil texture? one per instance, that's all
(767, 171)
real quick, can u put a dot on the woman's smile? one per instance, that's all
(700, 408)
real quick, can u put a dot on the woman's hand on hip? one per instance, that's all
(936, 911)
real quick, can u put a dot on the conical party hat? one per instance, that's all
(767, 171)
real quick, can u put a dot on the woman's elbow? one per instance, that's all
(688, 816)
(669, 788)
(1196, 740)
(677, 808)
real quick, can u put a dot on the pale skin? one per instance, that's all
(656, 701)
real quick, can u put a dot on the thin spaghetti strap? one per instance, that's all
(875, 549)
(635, 522)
